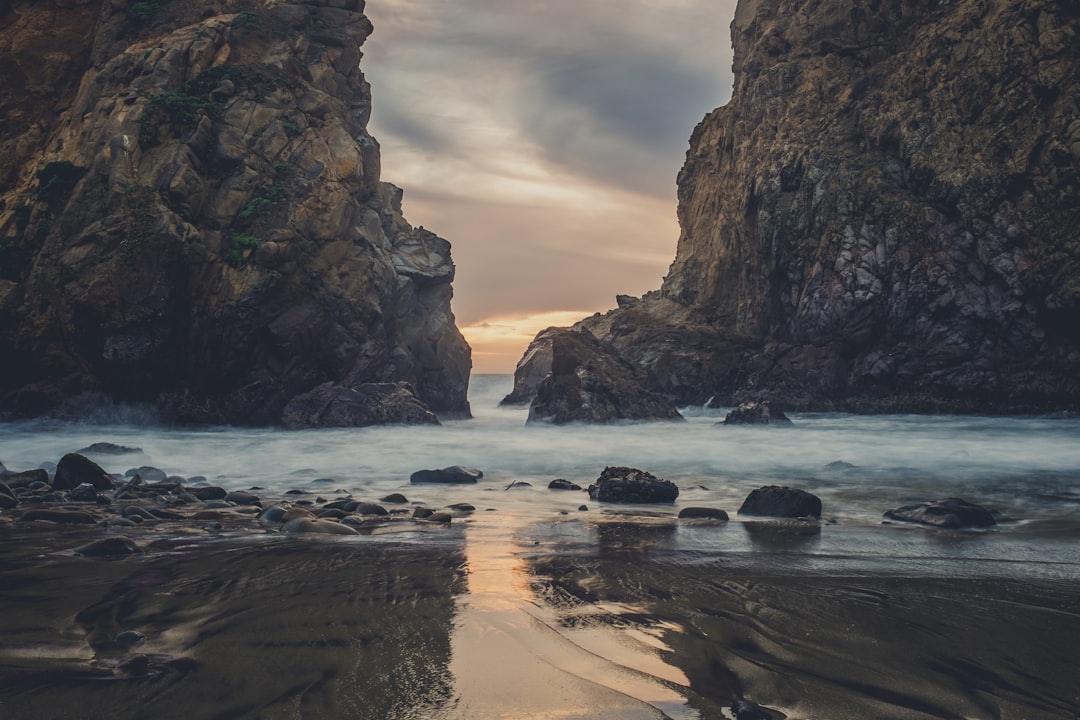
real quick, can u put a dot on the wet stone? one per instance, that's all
(774, 501)
(951, 514)
(84, 493)
(395, 498)
(630, 485)
(242, 497)
(210, 492)
(561, 484)
(27, 478)
(369, 508)
(454, 475)
(114, 546)
(73, 470)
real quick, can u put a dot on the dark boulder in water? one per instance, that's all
(757, 413)
(108, 448)
(571, 377)
(630, 485)
(361, 405)
(773, 501)
(396, 498)
(561, 484)
(951, 513)
(454, 475)
(73, 470)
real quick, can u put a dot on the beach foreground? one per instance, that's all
(576, 617)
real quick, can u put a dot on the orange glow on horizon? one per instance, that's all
(499, 341)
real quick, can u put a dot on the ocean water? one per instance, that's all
(532, 607)
(1028, 468)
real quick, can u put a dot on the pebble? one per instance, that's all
(368, 508)
(84, 493)
(242, 497)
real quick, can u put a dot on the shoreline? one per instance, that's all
(483, 620)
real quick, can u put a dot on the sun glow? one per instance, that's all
(498, 341)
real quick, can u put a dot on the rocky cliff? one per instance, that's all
(886, 216)
(191, 216)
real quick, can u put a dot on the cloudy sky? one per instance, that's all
(542, 138)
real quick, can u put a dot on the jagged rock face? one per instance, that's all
(572, 377)
(202, 225)
(885, 216)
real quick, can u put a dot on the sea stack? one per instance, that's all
(883, 218)
(192, 217)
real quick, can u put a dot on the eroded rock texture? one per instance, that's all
(192, 215)
(886, 216)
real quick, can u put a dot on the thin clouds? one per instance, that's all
(542, 137)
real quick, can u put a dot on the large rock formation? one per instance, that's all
(191, 216)
(568, 376)
(886, 216)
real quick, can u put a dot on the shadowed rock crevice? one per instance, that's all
(198, 223)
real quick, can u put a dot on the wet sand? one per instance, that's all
(492, 618)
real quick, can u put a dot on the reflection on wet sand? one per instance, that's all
(269, 629)
(498, 616)
(812, 646)
(513, 659)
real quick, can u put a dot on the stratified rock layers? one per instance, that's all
(196, 218)
(886, 216)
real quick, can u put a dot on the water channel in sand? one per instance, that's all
(532, 608)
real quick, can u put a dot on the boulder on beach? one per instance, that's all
(757, 413)
(26, 478)
(453, 475)
(73, 470)
(950, 513)
(630, 485)
(773, 501)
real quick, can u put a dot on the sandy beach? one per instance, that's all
(489, 618)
